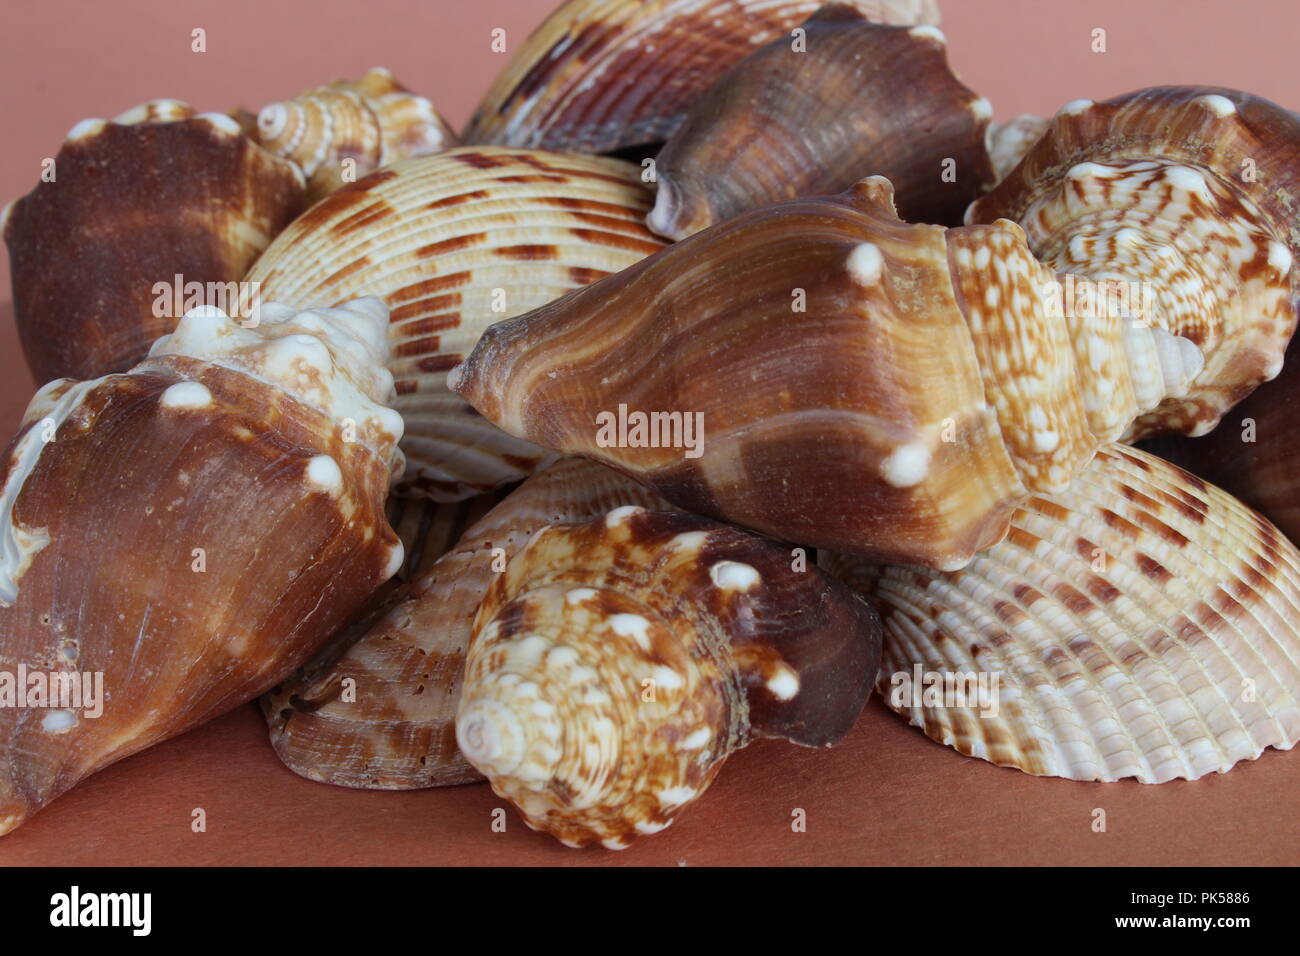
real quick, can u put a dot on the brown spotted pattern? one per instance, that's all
(616, 664)
(1141, 624)
(453, 243)
(601, 75)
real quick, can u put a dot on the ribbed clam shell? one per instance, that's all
(1184, 196)
(159, 193)
(601, 75)
(428, 529)
(453, 243)
(617, 663)
(848, 380)
(373, 122)
(190, 531)
(851, 98)
(1142, 624)
(406, 658)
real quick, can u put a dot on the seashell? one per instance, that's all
(828, 374)
(616, 664)
(810, 117)
(159, 197)
(406, 659)
(371, 122)
(177, 539)
(1141, 624)
(428, 529)
(602, 75)
(1181, 198)
(1008, 142)
(453, 243)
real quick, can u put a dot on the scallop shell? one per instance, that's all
(405, 660)
(850, 98)
(602, 75)
(616, 664)
(1142, 624)
(340, 132)
(158, 193)
(187, 533)
(1183, 196)
(825, 373)
(453, 243)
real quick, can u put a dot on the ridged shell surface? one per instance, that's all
(454, 243)
(1141, 625)
(176, 539)
(404, 662)
(601, 75)
(158, 199)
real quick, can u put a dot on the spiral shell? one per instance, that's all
(406, 659)
(340, 132)
(616, 664)
(189, 531)
(1142, 624)
(159, 197)
(602, 75)
(811, 116)
(1185, 196)
(453, 243)
(1009, 142)
(852, 381)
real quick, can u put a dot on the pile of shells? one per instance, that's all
(686, 397)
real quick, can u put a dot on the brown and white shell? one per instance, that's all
(377, 708)
(340, 132)
(1141, 625)
(1183, 198)
(603, 75)
(453, 243)
(616, 664)
(846, 98)
(158, 198)
(851, 381)
(1009, 142)
(178, 538)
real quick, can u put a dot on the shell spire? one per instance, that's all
(178, 538)
(1180, 197)
(850, 381)
(616, 664)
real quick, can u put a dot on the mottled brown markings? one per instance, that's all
(1120, 523)
(349, 270)
(413, 348)
(616, 241)
(429, 324)
(582, 275)
(1085, 548)
(406, 387)
(444, 308)
(439, 363)
(454, 244)
(1026, 595)
(528, 252)
(1171, 535)
(1102, 590)
(528, 178)
(1154, 569)
(425, 287)
(607, 210)
(364, 219)
(1049, 509)
(458, 199)
(1073, 598)
(483, 160)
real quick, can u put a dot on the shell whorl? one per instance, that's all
(1178, 197)
(373, 122)
(616, 664)
(1141, 624)
(1021, 386)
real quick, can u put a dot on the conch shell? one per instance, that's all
(849, 381)
(1183, 200)
(1142, 624)
(340, 132)
(1009, 142)
(453, 243)
(603, 75)
(377, 708)
(177, 539)
(157, 199)
(812, 116)
(616, 664)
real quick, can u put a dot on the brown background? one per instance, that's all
(887, 795)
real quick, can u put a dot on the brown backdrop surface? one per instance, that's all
(887, 795)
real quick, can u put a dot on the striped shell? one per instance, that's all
(1185, 197)
(602, 75)
(365, 124)
(616, 664)
(453, 243)
(1142, 624)
(406, 659)
(189, 531)
(859, 383)
(161, 196)
(848, 98)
